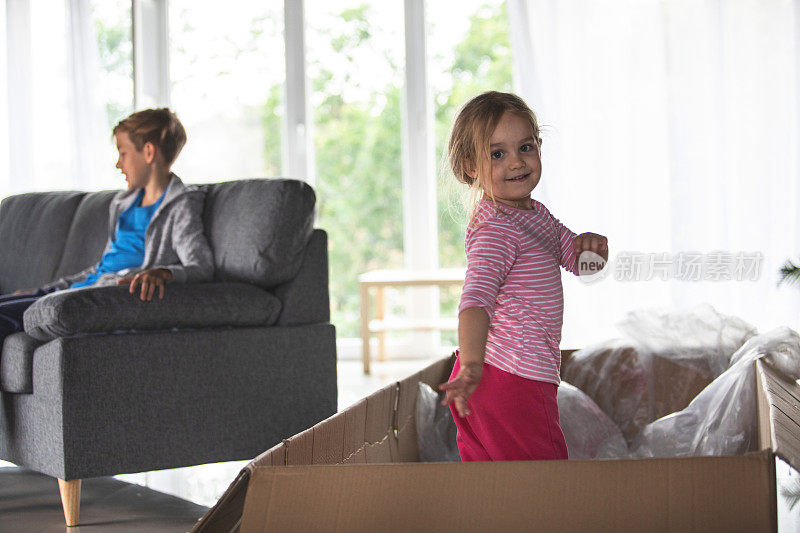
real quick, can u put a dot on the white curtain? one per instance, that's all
(87, 120)
(4, 139)
(672, 127)
(17, 130)
(56, 127)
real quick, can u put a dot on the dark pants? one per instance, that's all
(12, 307)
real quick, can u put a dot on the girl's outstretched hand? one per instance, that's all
(462, 386)
(592, 242)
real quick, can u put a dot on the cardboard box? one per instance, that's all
(358, 471)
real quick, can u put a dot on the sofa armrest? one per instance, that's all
(109, 309)
(305, 299)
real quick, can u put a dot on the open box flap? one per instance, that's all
(778, 413)
(226, 515)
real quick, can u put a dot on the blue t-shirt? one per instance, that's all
(127, 247)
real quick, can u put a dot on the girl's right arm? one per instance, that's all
(491, 252)
(473, 327)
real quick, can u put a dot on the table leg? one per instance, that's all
(365, 327)
(380, 312)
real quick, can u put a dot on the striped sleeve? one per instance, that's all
(567, 244)
(491, 252)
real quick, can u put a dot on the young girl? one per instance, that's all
(502, 390)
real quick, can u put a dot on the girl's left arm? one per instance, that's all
(591, 242)
(573, 245)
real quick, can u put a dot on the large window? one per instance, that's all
(227, 80)
(112, 26)
(226, 72)
(470, 52)
(68, 81)
(49, 98)
(355, 65)
(112, 30)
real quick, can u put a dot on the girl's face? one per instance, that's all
(514, 159)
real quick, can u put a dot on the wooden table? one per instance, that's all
(380, 280)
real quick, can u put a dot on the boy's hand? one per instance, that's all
(461, 388)
(152, 279)
(593, 243)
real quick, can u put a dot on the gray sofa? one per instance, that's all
(101, 383)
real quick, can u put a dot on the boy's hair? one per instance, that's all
(468, 144)
(158, 126)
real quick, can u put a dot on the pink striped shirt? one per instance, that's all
(513, 260)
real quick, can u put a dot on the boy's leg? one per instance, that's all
(27, 294)
(12, 308)
(513, 418)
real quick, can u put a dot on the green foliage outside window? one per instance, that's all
(482, 62)
(115, 50)
(359, 156)
(358, 169)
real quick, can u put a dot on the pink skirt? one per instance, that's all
(512, 419)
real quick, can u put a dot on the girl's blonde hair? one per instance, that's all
(468, 144)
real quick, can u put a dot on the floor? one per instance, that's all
(354, 385)
(173, 500)
(30, 502)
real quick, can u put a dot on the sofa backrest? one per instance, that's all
(88, 234)
(258, 228)
(33, 233)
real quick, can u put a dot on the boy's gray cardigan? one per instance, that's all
(174, 240)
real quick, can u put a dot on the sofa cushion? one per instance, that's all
(109, 309)
(33, 229)
(87, 235)
(16, 363)
(258, 229)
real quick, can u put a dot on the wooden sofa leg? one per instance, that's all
(70, 500)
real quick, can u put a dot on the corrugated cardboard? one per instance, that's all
(693, 494)
(362, 475)
(778, 414)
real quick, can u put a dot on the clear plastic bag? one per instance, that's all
(701, 338)
(721, 420)
(667, 359)
(612, 375)
(589, 433)
(436, 430)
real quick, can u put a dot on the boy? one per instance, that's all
(155, 227)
